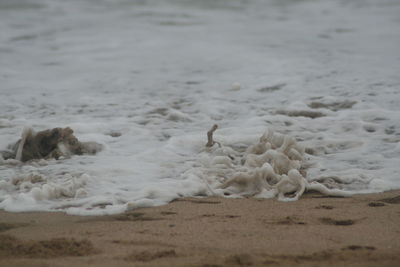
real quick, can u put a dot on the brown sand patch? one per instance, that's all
(325, 207)
(356, 247)
(219, 240)
(232, 216)
(317, 257)
(141, 243)
(392, 200)
(8, 226)
(207, 215)
(228, 216)
(168, 213)
(376, 204)
(347, 254)
(335, 106)
(323, 196)
(201, 201)
(239, 260)
(301, 113)
(57, 247)
(290, 220)
(331, 221)
(150, 256)
(135, 216)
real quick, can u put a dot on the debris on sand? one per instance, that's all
(51, 143)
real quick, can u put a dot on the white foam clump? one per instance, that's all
(274, 167)
(71, 188)
(36, 189)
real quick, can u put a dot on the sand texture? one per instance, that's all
(363, 230)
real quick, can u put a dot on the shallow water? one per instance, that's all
(160, 73)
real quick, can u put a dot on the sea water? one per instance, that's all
(147, 79)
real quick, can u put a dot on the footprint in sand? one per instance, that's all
(290, 220)
(356, 247)
(376, 204)
(146, 256)
(330, 221)
(325, 207)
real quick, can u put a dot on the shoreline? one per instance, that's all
(362, 230)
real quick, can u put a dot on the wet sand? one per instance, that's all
(363, 230)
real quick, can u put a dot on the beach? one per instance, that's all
(171, 133)
(362, 230)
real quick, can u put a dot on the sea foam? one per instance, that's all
(147, 79)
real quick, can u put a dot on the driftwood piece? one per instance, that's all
(210, 133)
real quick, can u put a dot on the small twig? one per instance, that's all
(210, 133)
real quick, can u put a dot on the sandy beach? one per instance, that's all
(109, 105)
(363, 230)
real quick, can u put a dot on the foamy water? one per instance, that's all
(161, 73)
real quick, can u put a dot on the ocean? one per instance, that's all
(147, 79)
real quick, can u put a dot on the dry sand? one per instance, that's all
(363, 230)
